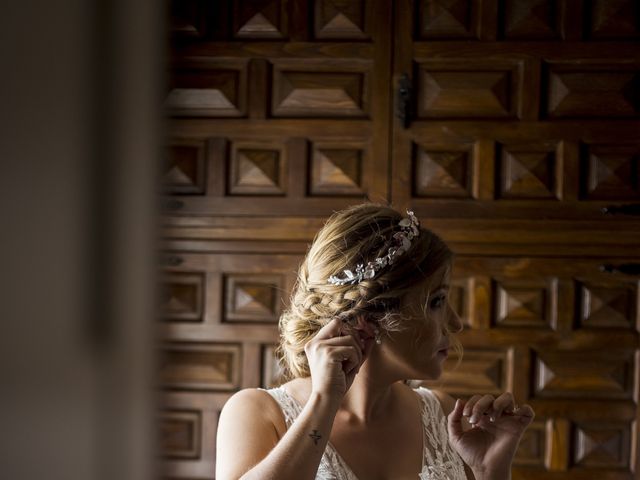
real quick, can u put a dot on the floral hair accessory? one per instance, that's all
(401, 242)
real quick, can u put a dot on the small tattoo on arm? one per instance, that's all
(315, 436)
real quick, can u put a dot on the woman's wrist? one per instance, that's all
(323, 400)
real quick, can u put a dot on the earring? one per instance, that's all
(376, 333)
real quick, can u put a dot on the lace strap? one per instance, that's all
(332, 466)
(289, 407)
(441, 460)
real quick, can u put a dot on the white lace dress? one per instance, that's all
(445, 464)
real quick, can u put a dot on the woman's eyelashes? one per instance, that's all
(437, 302)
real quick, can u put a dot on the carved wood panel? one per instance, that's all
(521, 149)
(307, 82)
(581, 377)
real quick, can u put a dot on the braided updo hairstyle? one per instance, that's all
(356, 235)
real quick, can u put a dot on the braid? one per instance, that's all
(350, 237)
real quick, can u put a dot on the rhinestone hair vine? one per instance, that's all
(401, 241)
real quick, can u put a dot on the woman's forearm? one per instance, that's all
(297, 455)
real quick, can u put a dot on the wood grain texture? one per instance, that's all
(523, 128)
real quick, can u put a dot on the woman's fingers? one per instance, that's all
(349, 356)
(482, 406)
(330, 330)
(504, 402)
(347, 340)
(455, 419)
(468, 408)
(526, 414)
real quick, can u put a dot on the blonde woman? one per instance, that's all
(368, 313)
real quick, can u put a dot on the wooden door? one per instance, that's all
(520, 145)
(520, 126)
(279, 115)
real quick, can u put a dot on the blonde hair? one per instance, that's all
(354, 236)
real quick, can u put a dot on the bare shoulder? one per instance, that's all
(250, 425)
(253, 404)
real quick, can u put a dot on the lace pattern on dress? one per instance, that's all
(444, 465)
(332, 466)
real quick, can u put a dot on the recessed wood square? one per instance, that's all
(320, 93)
(457, 90)
(184, 169)
(341, 19)
(200, 366)
(207, 91)
(257, 20)
(523, 303)
(273, 373)
(606, 91)
(589, 374)
(528, 172)
(607, 306)
(442, 173)
(257, 169)
(602, 445)
(531, 19)
(180, 432)
(182, 297)
(336, 171)
(253, 298)
(611, 172)
(446, 20)
(480, 371)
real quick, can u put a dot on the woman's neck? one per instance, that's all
(371, 396)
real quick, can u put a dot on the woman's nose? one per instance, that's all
(455, 323)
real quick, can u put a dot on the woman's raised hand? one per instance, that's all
(497, 427)
(335, 358)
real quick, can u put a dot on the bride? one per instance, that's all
(368, 314)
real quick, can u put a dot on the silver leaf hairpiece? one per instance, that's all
(401, 241)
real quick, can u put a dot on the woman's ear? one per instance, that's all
(365, 328)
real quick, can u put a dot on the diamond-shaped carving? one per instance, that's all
(207, 91)
(593, 93)
(527, 174)
(184, 169)
(446, 18)
(613, 172)
(465, 94)
(336, 172)
(339, 19)
(576, 374)
(193, 451)
(200, 366)
(318, 94)
(603, 445)
(252, 298)
(607, 307)
(188, 18)
(183, 297)
(180, 432)
(521, 305)
(530, 19)
(258, 19)
(441, 174)
(256, 171)
(273, 373)
(614, 19)
(531, 451)
(458, 300)
(480, 370)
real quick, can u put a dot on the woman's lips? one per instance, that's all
(444, 352)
